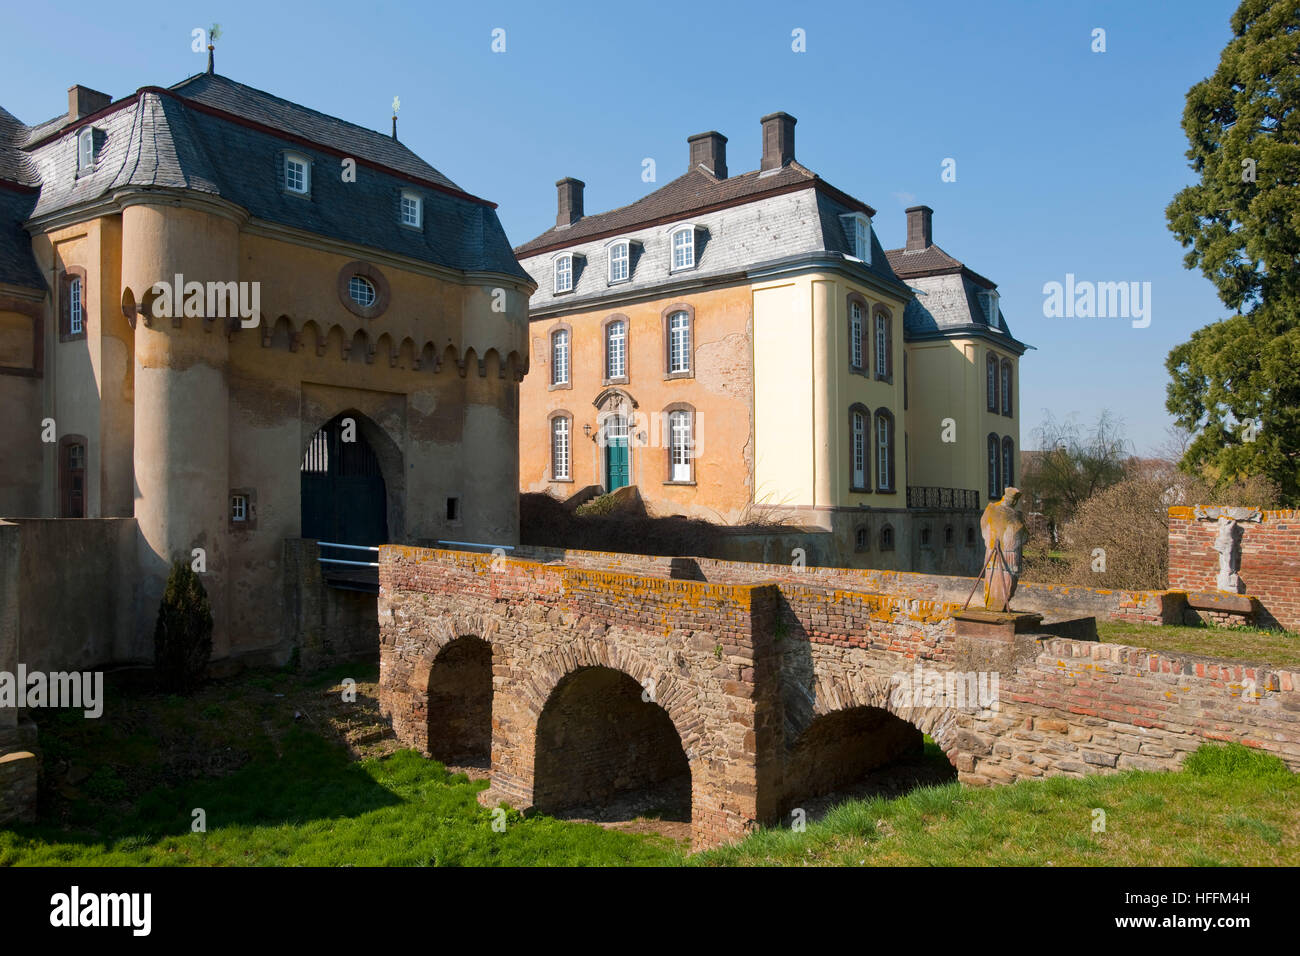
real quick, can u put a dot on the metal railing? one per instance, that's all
(348, 574)
(943, 499)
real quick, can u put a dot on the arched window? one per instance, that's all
(72, 304)
(86, 149)
(560, 357)
(677, 336)
(860, 539)
(991, 367)
(616, 349)
(683, 249)
(1008, 463)
(887, 538)
(884, 450)
(947, 535)
(72, 477)
(857, 332)
(884, 347)
(561, 448)
(681, 443)
(1006, 389)
(564, 274)
(995, 469)
(859, 448)
(618, 262)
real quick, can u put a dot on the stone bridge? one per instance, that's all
(742, 699)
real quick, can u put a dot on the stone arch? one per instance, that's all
(311, 336)
(407, 355)
(279, 335)
(458, 702)
(387, 449)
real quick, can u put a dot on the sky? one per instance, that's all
(1064, 157)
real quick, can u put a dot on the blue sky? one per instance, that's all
(1065, 158)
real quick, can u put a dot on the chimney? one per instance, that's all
(710, 151)
(569, 209)
(82, 101)
(919, 234)
(394, 126)
(778, 140)
(211, 60)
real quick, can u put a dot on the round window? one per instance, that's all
(362, 291)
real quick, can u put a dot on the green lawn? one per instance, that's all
(1278, 648)
(264, 758)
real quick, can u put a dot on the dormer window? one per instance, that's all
(412, 210)
(857, 229)
(564, 274)
(684, 249)
(297, 174)
(618, 262)
(86, 149)
(989, 303)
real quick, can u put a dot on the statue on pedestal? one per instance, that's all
(1005, 534)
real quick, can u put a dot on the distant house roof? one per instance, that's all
(211, 135)
(949, 297)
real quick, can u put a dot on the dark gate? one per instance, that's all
(343, 494)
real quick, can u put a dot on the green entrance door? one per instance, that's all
(616, 454)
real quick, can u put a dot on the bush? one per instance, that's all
(1233, 760)
(182, 639)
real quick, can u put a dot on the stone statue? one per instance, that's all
(1002, 523)
(1228, 543)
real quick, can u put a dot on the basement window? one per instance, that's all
(453, 509)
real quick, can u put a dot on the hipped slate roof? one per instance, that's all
(947, 296)
(209, 134)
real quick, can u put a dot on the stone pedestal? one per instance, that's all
(996, 625)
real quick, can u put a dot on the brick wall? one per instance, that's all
(1270, 561)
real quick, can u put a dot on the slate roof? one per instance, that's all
(211, 135)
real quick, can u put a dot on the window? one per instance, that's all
(991, 373)
(995, 469)
(616, 349)
(947, 535)
(412, 210)
(560, 448)
(560, 357)
(857, 229)
(297, 174)
(453, 509)
(680, 445)
(75, 316)
(564, 274)
(238, 507)
(1008, 463)
(970, 537)
(72, 477)
(679, 343)
(989, 305)
(860, 539)
(618, 261)
(887, 538)
(884, 352)
(859, 479)
(683, 249)
(1006, 388)
(905, 379)
(884, 450)
(86, 149)
(362, 291)
(855, 334)
(925, 537)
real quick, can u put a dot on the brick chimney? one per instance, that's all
(919, 234)
(778, 140)
(710, 151)
(82, 101)
(569, 209)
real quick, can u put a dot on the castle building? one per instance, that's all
(228, 321)
(741, 345)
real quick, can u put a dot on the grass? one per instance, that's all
(265, 759)
(1276, 647)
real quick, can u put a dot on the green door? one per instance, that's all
(616, 454)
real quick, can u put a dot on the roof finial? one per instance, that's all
(397, 105)
(214, 34)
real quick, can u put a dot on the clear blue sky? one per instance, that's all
(1065, 158)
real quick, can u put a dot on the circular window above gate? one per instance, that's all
(363, 290)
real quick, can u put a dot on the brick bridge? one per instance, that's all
(744, 694)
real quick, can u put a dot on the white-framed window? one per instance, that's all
(76, 316)
(412, 209)
(991, 379)
(297, 174)
(884, 447)
(882, 347)
(618, 262)
(362, 291)
(560, 448)
(859, 449)
(679, 343)
(856, 319)
(989, 303)
(239, 507)
(560, 357)
(86, 149)
(1006, 388)
(616, 349)
(564, 274)
(857, 229)
(680, 445)
(684, 249)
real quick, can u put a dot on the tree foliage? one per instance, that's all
(1072, 465)
(1236, 383)
(182, 637)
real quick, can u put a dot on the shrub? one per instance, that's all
(182, 638)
